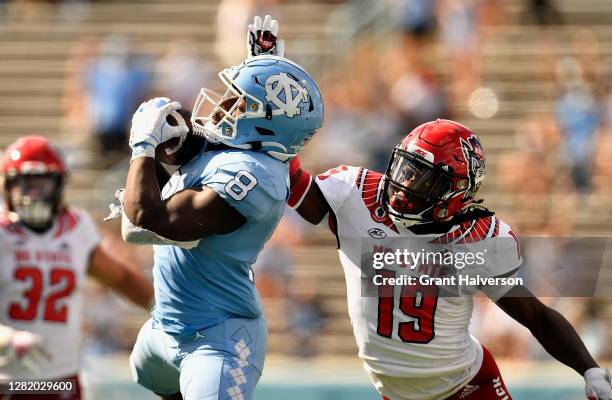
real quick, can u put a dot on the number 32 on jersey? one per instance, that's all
(62, 283)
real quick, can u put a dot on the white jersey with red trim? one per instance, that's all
(425, 342)
(40, 280)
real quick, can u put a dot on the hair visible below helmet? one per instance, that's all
(32, 161)
(434, 173)
(277, 107)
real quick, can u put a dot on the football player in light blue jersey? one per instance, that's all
(207, 336)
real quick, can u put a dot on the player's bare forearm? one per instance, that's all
(161, 174)
(187, 215)
(121, 278)
(549, 327)
(560, 340)
(314, 207)
(136, 289)
(142, 199)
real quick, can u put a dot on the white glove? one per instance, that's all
(26, 348)
(597, 384)
(149, 126)
(115, 210)
(262, 38)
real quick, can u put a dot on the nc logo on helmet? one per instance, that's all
(286, 94)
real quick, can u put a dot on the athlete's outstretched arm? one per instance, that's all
(557, 336)
(549, 327)
(121, 278)
(306, 197)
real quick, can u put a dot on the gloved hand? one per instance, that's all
(149, 126)
(262, 38)
(115, 210)
(26, 348)
(597, 384)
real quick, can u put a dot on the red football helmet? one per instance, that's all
(434, 173)
(34, 175)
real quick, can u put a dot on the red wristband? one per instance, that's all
(294, 166)
(299, 186)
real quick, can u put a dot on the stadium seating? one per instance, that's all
(35, 50)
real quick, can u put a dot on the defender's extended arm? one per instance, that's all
(306, 197)
(558, 337)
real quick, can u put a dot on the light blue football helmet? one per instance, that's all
(271, 104)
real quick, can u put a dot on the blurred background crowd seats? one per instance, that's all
(532, 78)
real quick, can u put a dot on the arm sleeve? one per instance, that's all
(248, 188)
(337, 184)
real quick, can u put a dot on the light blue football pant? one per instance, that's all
(223, 362)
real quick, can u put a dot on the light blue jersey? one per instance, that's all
(203, 286)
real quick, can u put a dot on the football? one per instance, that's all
(172, 152)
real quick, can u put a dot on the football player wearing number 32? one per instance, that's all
(47, 251)
(206, 339)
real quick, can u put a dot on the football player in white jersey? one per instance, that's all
(414, 343)
(48, 249)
